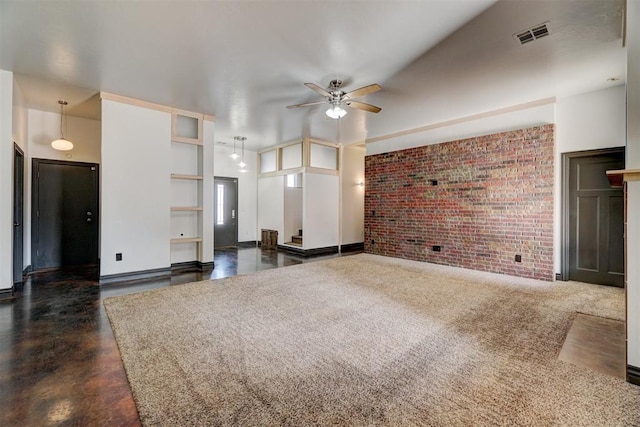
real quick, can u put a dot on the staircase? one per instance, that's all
(296, 240)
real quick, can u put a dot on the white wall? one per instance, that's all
(6, 180)
(135, 216)
(482, 124)
(224, 166)
(633, 188)
(271, 206)
(207, 171)
(85, 134)
(588, 121)
(352, 195)
(320, 210)
(20, 119)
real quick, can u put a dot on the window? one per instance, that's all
(220, 205)
(268, 161)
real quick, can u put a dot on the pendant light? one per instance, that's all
(242, 164)
(62, 144)
(234, 155)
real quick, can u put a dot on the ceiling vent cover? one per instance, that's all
(533, 33)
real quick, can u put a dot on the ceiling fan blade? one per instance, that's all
(363, 91)
(318, 89)
(306, 104)
(362, 106)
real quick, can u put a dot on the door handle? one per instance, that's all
(16, 224)
(233, 214)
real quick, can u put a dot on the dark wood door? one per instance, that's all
(225, 230)
(596, 220)
(18, 214)
(65, 214)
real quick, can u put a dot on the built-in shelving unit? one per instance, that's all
(192, 177)
(187, 240)
(186, 186)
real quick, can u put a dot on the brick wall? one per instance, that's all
(493, 200)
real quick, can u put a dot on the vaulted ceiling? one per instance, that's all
(244, 61)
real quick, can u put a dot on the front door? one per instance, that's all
(596, 220)
(64, 214)
(18, 214)
(225, 230)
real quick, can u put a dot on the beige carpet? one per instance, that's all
(366, 340)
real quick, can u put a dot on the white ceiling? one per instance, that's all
(244, 61)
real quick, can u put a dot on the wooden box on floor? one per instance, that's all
(269, 239)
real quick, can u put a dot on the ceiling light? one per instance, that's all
(242, 164)
(336, 112)
(234, 155)
(62, 144)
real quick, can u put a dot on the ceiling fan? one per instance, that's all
(335, 96)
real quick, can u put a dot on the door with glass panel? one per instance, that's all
(225, 199)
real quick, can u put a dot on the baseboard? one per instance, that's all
(352, 247)
(135, 275)
(197, 265)
(633, 374)
(6, 293)
(248, 244)
(309, 252)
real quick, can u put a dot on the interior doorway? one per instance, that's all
(225, 201)
(64, 214)
(593, 239)
(18, 214)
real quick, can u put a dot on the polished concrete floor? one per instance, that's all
(59, 362)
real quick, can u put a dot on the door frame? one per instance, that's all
(235, 181)
(564, 202)
(34, 200)
(18, 152)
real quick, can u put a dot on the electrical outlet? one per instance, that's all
(433, 181)
(436, 248)
(518, 258)
(373, 242)
(119, 256)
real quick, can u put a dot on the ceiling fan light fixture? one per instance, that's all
(336, 112)
(62, 144)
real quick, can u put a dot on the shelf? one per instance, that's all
(186, 141)
(618, 177)
(186, 240)
(180, 176)
(185, 208)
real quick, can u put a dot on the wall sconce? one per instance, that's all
(361, 184)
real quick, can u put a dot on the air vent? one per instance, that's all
(533, 33)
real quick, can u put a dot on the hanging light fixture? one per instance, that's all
(234, 155)
(242, 164)
(336, 111)
(62, 144)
